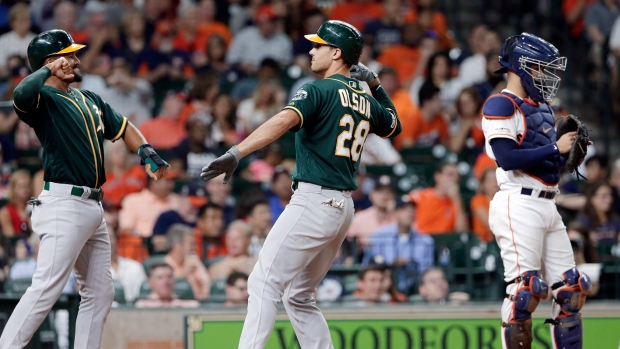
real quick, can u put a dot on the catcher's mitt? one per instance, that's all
(579, 149)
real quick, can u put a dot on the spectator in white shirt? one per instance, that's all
(16, 41)
(255, 43)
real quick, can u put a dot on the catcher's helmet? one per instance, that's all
(50, 43)
(525, 53)
(342, 35)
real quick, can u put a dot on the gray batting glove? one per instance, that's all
(226, 163)
(361, 72)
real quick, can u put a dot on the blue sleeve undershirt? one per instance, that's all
(510, 158)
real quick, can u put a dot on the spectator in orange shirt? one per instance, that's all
(123, 176)
(209, 228)
(480, 205)
(405, 57)
(427, 15)
(466, 130)
(402, 102)
(207, 9)
(165, 131)
(381, 213)
(356, 12)
(428, 125)
(483, 162)
(573, 11)
(187, 37)
(440, 208)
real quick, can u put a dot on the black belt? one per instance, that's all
(95, 194)
(545, 194)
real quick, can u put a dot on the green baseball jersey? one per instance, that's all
(336, 116)
(71, 128)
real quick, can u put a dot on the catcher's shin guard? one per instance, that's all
(529, 290)
(569, 297)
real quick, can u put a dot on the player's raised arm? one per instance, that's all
(266, 133)
(385, 122)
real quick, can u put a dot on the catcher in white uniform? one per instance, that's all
(519, 128)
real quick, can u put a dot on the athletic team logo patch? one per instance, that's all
(300, 94)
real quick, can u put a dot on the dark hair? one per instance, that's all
(589, 209)
(279, 171)
(234, 276)
(201, 84)
(441, 166)
(602, 159)
(159, 265)
(475, 95)
(208, 206)
(361, 274)
(433, 59)
(248, 201)
(427, 92)
(590, 254)
(231, 117)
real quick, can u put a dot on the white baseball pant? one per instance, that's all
(531, 236)
(297, 253)
(73, 235)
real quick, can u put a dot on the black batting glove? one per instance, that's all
(361, 72)
(149, 156)
(226, 163)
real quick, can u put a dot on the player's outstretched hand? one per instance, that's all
(159, 173)
(362, 73)
(61, 69)
(226, 163)
(565, 142)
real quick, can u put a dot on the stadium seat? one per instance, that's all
(145, 290)
(217, 288)
(119, 293)
(183, 289)
(349, 284)
(17, 286)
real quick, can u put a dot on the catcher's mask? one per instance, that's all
(536, 62)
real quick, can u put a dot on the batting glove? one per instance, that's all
(362, 73)
(149, 156)
(226, 163)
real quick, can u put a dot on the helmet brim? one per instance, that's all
(502, 70)
(315, 38)
(69, 49)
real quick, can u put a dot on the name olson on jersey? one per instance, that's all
(355, 102)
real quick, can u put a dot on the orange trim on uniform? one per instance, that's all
(70, 49)
(524, 123)
(315, 38)
(539, 179)
(513, 236)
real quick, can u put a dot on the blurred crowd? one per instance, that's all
(196, 77)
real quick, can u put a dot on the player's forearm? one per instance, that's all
(26, 94)
(381, 96)
(511, 158)
(268, 132)
(133, 137)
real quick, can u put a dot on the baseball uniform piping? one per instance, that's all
(513, 237)
(89, 138)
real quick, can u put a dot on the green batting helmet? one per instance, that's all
(50, 43)
(342, 35)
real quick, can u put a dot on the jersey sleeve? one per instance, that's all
(306, 103)
(500, 118)
(27, 96)
(384, 120)
(114, 123)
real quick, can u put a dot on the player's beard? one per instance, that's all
(77, 75)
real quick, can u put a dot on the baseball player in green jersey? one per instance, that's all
(332, 118)
(71, 125)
